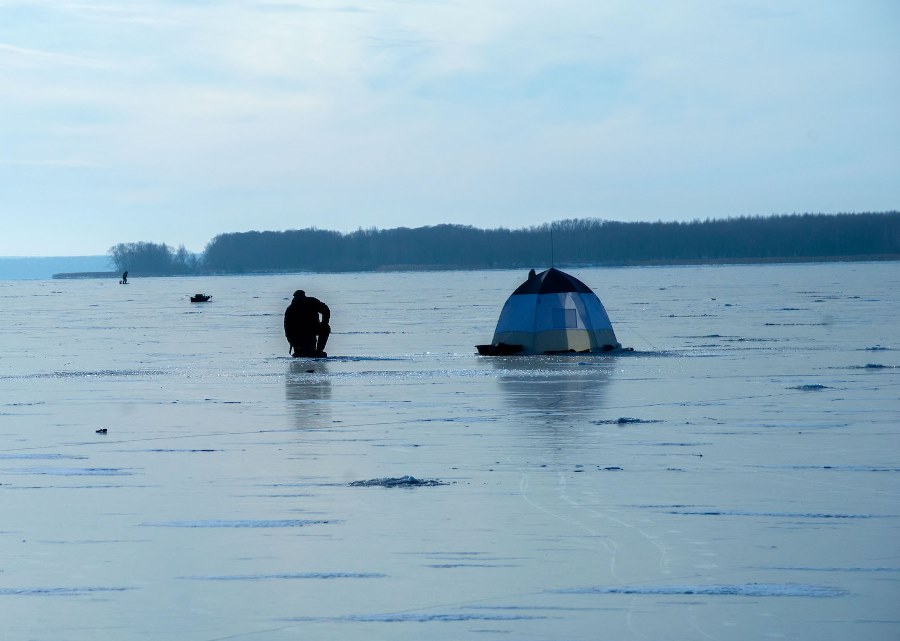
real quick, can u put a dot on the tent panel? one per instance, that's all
(551, 281)
(517, 314)
(556, 311)
(562, 340)
(525, 339)
(559, 340)
(592, 311)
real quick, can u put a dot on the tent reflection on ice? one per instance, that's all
(551, 313)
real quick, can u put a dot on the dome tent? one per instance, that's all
(551, 313)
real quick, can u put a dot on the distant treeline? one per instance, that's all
(568, 242)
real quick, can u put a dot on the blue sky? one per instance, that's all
(176, 121)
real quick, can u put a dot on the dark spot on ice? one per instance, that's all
(789, 515)
(288, 576)
(625, 420)
(851, 569)
(239, 523)
(843, 468)
(612, 468)
(415, 617)
(41, 456)
(748, 589)
(72, 591)
(446, 566)
(77, 471)
(403, 481)
(159, 450)
(810, 388)
(877, 348)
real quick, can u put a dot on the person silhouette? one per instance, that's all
(305, 332)
(124, 280)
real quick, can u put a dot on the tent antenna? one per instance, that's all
(551, 245)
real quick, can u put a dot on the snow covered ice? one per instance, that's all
(736, 477)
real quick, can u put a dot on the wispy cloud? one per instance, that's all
(25, 58)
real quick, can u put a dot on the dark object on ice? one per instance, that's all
(500, 349)
(124, 280)
(552, 313)
(626, 420)
(403, 481)
(200, 298)
(305, 332)
(102, 430)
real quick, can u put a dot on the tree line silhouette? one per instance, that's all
(568, 242)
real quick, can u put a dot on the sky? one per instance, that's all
(175, 121)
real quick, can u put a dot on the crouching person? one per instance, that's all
(306, 332)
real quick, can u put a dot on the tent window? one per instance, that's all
(564, 318)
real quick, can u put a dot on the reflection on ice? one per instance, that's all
(307, 388)
(554, 387)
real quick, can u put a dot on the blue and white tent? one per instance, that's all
(551, 313)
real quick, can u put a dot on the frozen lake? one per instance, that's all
(737, 477)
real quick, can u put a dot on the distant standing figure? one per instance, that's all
(302, 327)
(124, 280)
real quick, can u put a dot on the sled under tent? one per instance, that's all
(551, 313)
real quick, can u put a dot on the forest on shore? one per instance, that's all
(782, 238)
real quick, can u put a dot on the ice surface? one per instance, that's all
(736, 477)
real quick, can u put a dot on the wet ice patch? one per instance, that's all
(288, 576)
(417, 617)
(850, 569)
(42, 457)
(74, 471)
(748, 589)
(188, 451)
(814, 387)
(237, 523)
(48, 591)
(104, 373)
(840, 468)
(402, 481)
(786, 515)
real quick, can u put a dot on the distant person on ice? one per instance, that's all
(302, 327)
(124, 280)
